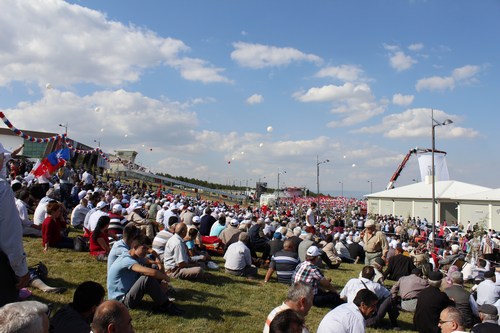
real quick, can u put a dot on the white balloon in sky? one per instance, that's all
(269, 129)
(261, 145)
(143, 146)
(97, 109)
(126, 135)
(242, 153)
(353, 165)
(48, 86)
(102, 129)
(345, 156)
(232, 158)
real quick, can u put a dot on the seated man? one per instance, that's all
(238, 258)
(408, 288)
(112, 316)
(488, 314)
(350, 317)
(284, 263)
(77, 316)
(384, 305)
(128, 280)
(399, 265)
(176, 258)
(299, 299)
(28, 316)
(309, 273)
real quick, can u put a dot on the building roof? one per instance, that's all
(449, 189)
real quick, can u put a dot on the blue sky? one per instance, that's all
(192, 85)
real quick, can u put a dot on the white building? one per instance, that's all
(455, 201)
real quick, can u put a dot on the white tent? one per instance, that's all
(455, 202)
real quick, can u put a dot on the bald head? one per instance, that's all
(181, 229)
(288, 245)
(112, 316)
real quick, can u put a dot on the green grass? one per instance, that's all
(224, 304)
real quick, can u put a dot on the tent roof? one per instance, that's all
(491, 195)
(449, 189)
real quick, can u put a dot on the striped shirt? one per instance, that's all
(284, 263)
(160, 241)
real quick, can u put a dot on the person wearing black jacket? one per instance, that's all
(399, 265)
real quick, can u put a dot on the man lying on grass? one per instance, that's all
(128, 280)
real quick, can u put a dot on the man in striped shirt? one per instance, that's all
(284, 263)
(299, 299)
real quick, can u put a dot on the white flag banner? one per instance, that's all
(425, 164)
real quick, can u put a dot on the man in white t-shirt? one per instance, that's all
(350, 317)
(311, 215)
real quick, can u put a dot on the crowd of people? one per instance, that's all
(150, 237)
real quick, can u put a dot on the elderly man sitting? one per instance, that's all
(238, 258)
(178, 264)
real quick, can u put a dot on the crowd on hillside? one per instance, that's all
(149, 237)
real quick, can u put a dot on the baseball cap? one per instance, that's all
(101, 204)
(313, 251)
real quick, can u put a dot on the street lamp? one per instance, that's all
(371, 186)
(317, 174)
(278, 198)
(98, 141)
(433, 172)
(342, 183)
(65, 128)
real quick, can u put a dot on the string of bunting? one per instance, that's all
(25, 136)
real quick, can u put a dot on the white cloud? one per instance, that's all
(401, 62)
(465, 72)
(260, 56)
(435, 83)
(355, 103)
(403, 100)
(158, 123)
(461, 75)
(65, 44)
(255, 99)
(416, 47)
(343, 72)
(391, 48)
(416, 123)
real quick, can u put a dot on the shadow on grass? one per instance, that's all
(210, 313)
(183, 294)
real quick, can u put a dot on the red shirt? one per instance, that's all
(94, 247)
(51, 231)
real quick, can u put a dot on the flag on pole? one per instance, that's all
(52, 162)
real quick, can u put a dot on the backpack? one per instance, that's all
(39, 271)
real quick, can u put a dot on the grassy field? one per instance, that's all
(224, 304)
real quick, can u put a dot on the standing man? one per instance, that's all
(13, 266)
(311, 215)
(376, 245)
(66, 175)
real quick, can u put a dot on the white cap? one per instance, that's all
(196, 219)
(101, 204)
(313, 251)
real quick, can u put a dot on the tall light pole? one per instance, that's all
(65, 128)
(317, 174)
(433, 172)
(98, 141)
(371, 186)
(342, 183)
(278, 198)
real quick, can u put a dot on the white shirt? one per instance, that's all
(23, 213)
(41, 211)
(345, 318)
(237, 256)
(94, 218)
(354, 285)
(487, 292)
(311, 217)
(78, 214)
